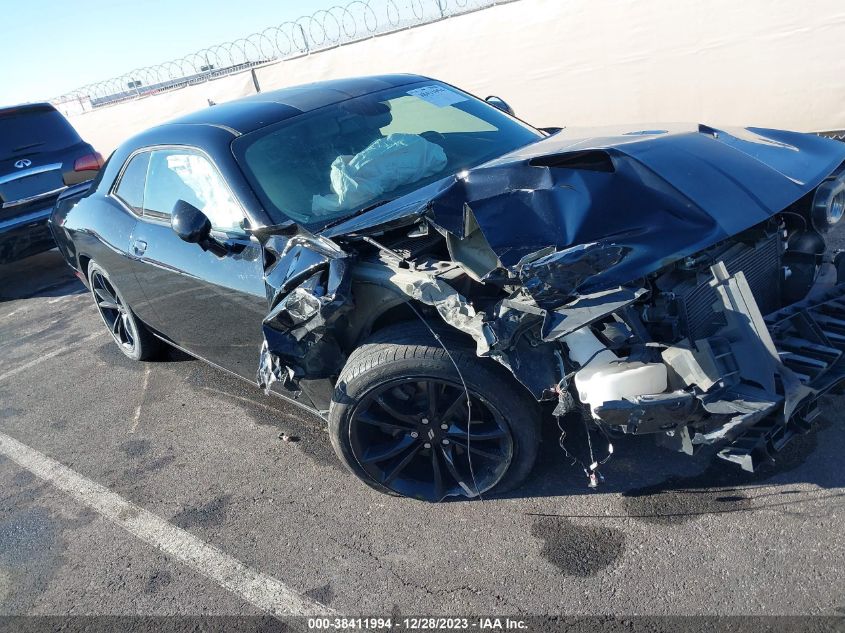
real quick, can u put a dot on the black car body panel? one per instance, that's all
(39, 151)
(657, 250)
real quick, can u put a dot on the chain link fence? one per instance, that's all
(324, 29)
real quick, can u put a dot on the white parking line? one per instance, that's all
(45, 357)
(81, 293)
(260, 590)
(137, 418)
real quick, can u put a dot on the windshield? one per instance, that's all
(327, 164)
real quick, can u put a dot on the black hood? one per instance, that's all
(654, 195)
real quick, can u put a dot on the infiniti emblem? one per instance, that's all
(23, 162)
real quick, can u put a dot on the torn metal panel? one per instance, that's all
(587, 309)
(580, 264)
(472, 251)
(308, 289)
(502, 334)
(294, 257)
(569, 235)
(553, 277)
(452, 307)
(513, 316)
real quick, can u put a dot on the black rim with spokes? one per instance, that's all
(114, 313)
(416, 437)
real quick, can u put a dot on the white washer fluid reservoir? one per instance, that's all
(606, 376)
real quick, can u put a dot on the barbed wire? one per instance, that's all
(324, 29)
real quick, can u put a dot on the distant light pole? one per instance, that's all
(304, 39)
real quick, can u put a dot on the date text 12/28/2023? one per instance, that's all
(416, 623)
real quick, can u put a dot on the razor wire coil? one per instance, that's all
(323, 29)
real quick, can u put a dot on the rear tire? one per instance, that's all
(386, 431)
(130, 335)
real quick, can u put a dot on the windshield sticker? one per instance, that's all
(437, 95)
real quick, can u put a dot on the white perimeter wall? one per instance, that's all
(771, 63)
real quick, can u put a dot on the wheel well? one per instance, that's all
(83, 265)
(404, 313)
(392, 316)
(378, 308)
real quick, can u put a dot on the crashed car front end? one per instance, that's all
(669, 282)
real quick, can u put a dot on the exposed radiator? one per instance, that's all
(760, 263)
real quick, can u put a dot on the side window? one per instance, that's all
(130, 188)
(179, 175)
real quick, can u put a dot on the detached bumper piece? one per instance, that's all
(810, 339)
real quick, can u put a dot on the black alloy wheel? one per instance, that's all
(400, 422)
(115, 315)
(133, 339)
(417, 438)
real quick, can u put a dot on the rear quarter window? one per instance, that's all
(130, 187)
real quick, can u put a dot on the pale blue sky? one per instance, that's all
(48, 48)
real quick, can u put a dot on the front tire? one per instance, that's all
(399, 418)
(130, 335)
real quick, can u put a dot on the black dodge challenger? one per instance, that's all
(428, 273)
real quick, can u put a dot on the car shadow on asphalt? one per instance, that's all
(660, 486)
(43, 275)
(661, 489)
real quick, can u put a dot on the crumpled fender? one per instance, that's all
(308, 288)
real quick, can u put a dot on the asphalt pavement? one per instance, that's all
(164, 488)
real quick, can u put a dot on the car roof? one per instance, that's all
(250, 113)
(23, 108)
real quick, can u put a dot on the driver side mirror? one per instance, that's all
(193, 226)
(500, 103)
(190, 224)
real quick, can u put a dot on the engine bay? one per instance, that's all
(721, 340)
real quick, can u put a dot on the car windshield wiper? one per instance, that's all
(355, 214)
(31, 145)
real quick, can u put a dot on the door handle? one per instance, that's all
(139, 246)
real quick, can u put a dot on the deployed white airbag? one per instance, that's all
(384, 165)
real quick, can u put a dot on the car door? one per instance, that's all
(208, 304)
(97, 224)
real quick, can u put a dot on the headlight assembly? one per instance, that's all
(829, 202)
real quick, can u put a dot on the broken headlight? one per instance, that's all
(829, 202)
